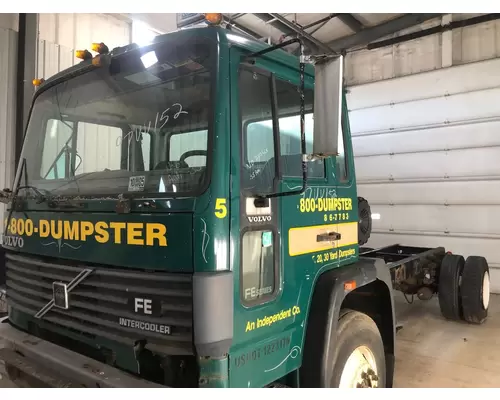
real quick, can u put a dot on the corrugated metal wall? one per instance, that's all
(8, 61)
(62, 34)
(426, 149)
(460, 46)
(426, 120)
(79, 31)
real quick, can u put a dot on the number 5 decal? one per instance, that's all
(220, 208)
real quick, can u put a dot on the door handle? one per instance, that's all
(328, 237)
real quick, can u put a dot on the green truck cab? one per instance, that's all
(161, 231)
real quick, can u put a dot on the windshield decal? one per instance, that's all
(136, 183)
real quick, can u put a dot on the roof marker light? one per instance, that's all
(100, 48)
(37, 82)
(213, 18)
(83, 54)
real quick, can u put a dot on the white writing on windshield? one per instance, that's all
(161, 118)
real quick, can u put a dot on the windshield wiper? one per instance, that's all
(44, 196)
(39, 196)
(7, 195)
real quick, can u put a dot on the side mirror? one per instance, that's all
(328, 75)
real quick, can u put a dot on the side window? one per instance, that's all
(258, 170)
(260, 142)
(342, 172)
(98, 147)
(258, 269)
(288, 100)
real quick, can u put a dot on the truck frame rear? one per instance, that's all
(462, 285)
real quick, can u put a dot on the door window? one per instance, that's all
(257, 266)
(258, 141)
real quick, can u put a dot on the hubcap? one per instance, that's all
(360, 370)
(486, 290)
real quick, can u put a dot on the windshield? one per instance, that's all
(139, 124)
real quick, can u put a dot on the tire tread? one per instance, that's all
(364, 236)
(471, 290)
(449, 289)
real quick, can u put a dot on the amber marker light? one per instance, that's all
(100, 48)
(213, 19)
(37, 82)
(83, 54)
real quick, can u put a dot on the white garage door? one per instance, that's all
(427, 152)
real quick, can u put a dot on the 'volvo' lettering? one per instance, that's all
(12, 241)
(260, 218)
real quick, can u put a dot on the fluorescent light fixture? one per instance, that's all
(375, 216)
(142, 34)
(149, 59)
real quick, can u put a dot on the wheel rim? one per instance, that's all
(486, 290)
(360, 370)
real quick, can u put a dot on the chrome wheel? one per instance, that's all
(360, 370)
(486, 290)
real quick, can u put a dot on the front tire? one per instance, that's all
(359, 359)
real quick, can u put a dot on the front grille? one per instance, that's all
(99, 301)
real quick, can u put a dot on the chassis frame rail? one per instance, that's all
(410, 267)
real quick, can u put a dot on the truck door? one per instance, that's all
(274, 243)
(263, 321)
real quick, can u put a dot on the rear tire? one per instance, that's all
(475, 290)
(359, 350)
(449, 286)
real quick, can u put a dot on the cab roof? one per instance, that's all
(224, 36)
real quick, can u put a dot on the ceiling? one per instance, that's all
(325, 32)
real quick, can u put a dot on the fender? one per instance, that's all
(329, 294)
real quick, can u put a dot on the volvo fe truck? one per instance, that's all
(185, 214)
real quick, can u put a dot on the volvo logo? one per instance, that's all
(260, 218)
(12, 241)
(60, 293)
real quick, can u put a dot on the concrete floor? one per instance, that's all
(433, 352)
